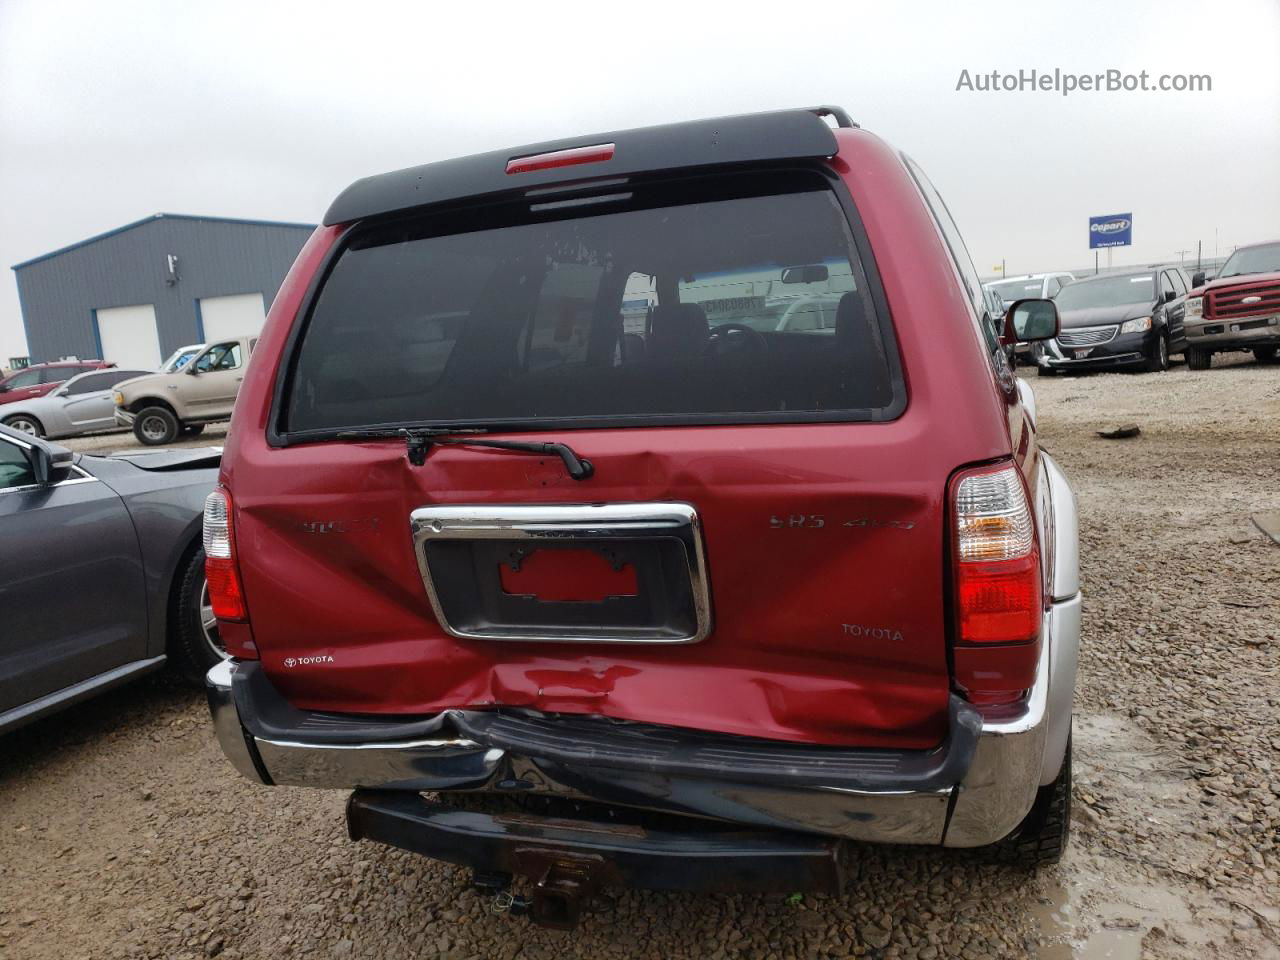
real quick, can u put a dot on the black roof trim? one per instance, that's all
(749, 138)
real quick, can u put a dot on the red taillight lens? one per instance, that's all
(996, 585)
(596, 153)
(999, 602)
(225, 594)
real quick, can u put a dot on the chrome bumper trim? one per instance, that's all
(990, 800)
(1055, 362)
(1002, 782)
(232, 736)
(1230, 334)
(124, 417)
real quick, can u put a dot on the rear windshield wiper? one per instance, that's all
(418, 443)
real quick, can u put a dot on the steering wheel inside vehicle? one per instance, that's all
(730, 338)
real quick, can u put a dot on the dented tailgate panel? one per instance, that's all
(824, 568)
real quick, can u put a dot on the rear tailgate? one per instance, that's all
(818, 488)
(823, 545)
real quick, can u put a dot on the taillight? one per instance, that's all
(996, 585)
(597, 153)
(225, 594)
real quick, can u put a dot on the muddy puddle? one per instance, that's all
(1100, 906)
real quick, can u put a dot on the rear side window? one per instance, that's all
(86, 384)
(666, 303)
(57, 374)
(27, 378)
(102, 381)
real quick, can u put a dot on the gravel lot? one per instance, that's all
(125, 834)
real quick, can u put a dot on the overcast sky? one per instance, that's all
(113, 111)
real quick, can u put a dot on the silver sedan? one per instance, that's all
(81, 405)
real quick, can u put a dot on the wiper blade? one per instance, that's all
(418, 443)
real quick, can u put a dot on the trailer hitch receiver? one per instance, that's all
(563, 885)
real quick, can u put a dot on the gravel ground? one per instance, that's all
(125, 834)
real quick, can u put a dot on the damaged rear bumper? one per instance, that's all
(972, 789)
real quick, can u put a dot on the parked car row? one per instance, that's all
(81, 405)
(1138, 318)
(41, 378)
(1119, 320)
(196, 385)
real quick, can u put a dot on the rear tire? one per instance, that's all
(26, 424)
(1198, 358)
(1044, 371)
(156, 426)
(1158, 362)
(1042, 836)
(194, 643)
(1265, 354)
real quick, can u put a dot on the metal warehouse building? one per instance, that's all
(135, 294)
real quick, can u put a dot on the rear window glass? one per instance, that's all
(659, 304)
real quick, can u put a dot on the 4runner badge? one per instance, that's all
(303, 661)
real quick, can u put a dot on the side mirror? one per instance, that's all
(190, 370)
(5, 388)
(1031, 320)
(49, 461)
(1169, 297)
(1197, 278)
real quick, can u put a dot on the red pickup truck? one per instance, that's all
(1239, 309)
(528, 502)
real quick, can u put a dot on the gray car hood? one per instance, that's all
(187, 458)
(1099, 316)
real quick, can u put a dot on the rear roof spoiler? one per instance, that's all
(748, 138)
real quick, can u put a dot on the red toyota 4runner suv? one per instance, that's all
(527, 495)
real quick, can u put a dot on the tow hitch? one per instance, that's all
(569, 860)
(564, 888)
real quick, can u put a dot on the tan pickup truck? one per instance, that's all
(160, 407)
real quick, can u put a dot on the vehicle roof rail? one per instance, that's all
(838, 114)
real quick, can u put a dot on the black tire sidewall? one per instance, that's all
(188, 652)
(1198, 358)
(174, 428)
(1158, 362)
